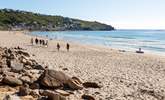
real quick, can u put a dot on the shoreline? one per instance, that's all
(130, 49)
(121, 74)
(146, 52)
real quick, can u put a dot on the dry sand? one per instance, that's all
(122, 75)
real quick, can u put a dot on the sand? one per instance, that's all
(122, 75)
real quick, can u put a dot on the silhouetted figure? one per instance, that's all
(31, 41)
(46, 43)
(40, 42)
(58, 46)
(67, 47)
(43, 42)
(36, 41)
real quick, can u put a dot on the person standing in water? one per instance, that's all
(67, 47)
(58, 46)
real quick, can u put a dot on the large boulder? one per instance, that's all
(54, 79)
(11, 81)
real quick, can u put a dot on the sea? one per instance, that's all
(150, 41)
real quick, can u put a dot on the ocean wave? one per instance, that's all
(123, 39)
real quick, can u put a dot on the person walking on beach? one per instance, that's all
(31, 41)
(43, 42)
(58, 46)
(40, 42)
(46, 43)
(36, 41)
(67, 47)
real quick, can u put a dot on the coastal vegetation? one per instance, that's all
(23, 20)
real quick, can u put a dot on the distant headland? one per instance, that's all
(22, 20)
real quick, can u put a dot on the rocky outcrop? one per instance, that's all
(18, 70)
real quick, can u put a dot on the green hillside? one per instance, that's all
(21, 20)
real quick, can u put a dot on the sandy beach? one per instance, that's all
(122, 75)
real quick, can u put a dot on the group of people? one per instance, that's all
(39, 42)
(67, 47)
(43, 42)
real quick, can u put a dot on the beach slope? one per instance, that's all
(122, 75)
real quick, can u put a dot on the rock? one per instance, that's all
(34, 94)
(35, 86)
(24, 91)
(27, 73)
(1, 78)
(65, 69)
(33, 61)
(75, 83)
(87, 97)
(54, 79)
(23, 53)
(62, 92)
(11, 97)
(16, 66)
(27, 67)
(52, 95)
(8, 63)
(26, 79)
(7, 73)
(91, 85)
(22, 59)
(38, 67)
(18, 48)
(12, 81)
(6, 69)
(26, 61)
(32, 74)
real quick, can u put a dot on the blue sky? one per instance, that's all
(122, 14)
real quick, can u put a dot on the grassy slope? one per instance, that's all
(11, 18)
